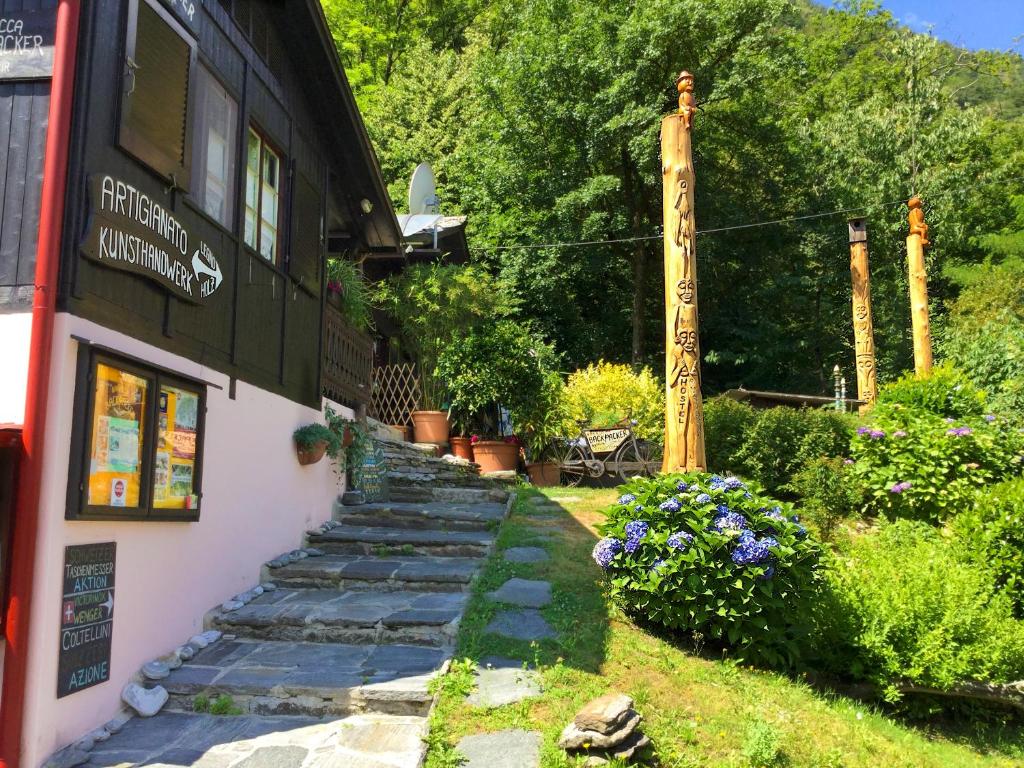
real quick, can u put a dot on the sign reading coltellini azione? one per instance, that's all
(132, 231)
(86, 617)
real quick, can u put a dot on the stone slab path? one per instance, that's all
(526, 555)
(523, 592)
(502, 749)
(504, 685)
(332, 667)
(526, 624)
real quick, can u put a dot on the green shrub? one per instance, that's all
(762, 745)
(991, 534)
(946, 392)
(901, 607)
(783, 439)
(918, 465)
(829, 492)
(606, 392)
(356, 302)
(706, 555)
(992, 356)
(726, 422)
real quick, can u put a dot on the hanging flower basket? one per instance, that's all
(311, 454)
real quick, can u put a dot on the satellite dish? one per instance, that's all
(422, 191)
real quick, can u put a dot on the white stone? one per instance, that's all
(155, 670)
(198, 641)
(231, 605)
(145, 701)
(257, 590)
(211, 635)
(172, 660)
(185, 652)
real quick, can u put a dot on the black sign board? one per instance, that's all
(372, 477)
(132, 231)
(86, 617)
(26, 43)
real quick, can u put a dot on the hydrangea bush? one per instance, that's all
(710, 556)
(923, 466)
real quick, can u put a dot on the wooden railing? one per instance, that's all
(347, 374)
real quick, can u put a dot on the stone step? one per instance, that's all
(358, 618)
(430, 478)
(426, 493)
(434, 515)
(381, 541)
(362, 572)
(187, 740)
(296, 678)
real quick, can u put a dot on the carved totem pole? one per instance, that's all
(684, 409)
(863, 327)
(918, 276)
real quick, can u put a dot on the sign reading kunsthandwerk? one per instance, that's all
(86, 617)
(132, 231)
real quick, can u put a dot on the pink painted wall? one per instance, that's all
(257, 503)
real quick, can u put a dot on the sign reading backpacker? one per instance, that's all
(131, 230)
(86, 617)
(26, 43)
(605, 440)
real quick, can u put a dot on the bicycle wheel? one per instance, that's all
(637, 458)
(569, 458)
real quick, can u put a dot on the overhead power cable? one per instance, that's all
(750, 225)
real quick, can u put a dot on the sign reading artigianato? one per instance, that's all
(132, 231)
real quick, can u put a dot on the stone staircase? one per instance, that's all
(355, 625)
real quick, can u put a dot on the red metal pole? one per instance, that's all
(25, 524)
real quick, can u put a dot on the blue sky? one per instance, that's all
(974, 24)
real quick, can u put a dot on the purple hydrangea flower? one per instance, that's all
(899, 433)
(703, 499)
(876, 434)
(628, 498)
(989, 418)
(900, 487)
(862, 430)
(679, 539)
(849, 462)
(606, 549)
(959, 431)
(635, 531)
(670, 505)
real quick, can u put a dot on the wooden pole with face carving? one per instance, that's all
(918, 276)
(863, 327)
(684, 411)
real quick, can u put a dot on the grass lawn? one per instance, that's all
(698, 711)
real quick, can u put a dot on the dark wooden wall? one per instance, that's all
(261, 325)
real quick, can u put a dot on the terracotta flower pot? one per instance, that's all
(430, 427)
(406, 431)
(543, 474)
(495, 455)
(312, 454)
(462, 447)
(348, 438)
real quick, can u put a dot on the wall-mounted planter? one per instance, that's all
(311, 454)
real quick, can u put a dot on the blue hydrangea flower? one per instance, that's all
(801, 532)
(751, 551)
(723, 509)
(989, 418)
(658, 565)
(605, 550)
(775, 513)
(730, 521)
(635, 531)
(768, 572)
(670, 505)
(733, 484)
(628, 498)
(703, 499)
(679, 539)
(638, 508)
(794, 518)
(681, 486)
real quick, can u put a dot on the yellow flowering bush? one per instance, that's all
(604, 393)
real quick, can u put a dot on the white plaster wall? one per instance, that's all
(257, 503)
(15, 331)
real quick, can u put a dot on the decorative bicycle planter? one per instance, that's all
(598, 452)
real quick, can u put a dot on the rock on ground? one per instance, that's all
(503, 749)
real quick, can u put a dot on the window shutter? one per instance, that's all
(154, 112)
(306, 239)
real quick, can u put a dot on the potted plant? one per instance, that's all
(540, 424)
(496, 455)
(312, 441)
(351, 440)
(434, 306)
(348, 292)
(501, 363)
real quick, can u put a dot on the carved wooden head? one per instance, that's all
(684, 82)
(914, 202)
(685, 289)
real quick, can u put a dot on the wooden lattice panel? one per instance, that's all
(396, 393)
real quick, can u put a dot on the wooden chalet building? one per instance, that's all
(176, 173)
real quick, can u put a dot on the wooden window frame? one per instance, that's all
(232, 183)
(266, 143)
(127, 75)
(78, 507)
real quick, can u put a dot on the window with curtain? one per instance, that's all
(213, 167)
